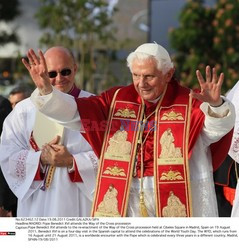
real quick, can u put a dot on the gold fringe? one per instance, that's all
(142, 206)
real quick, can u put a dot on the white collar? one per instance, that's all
(156, 100)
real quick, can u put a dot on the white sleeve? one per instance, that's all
(87, 165)
(218, 125)
(59, 106)
(19, 164)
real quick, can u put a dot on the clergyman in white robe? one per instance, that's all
(20, 164)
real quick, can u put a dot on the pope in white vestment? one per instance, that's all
(20, 163)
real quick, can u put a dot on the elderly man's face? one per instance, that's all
(149, 82)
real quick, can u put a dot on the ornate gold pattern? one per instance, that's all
(50, 175)
(172, 116)
(119, 147)
(171, 176)
(167, 145)
(125, 113)
(108, 207)
(174, 208)
(115, 171)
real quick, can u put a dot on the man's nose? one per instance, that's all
(141, 80)
(58, 77)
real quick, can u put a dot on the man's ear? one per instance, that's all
(169, 74)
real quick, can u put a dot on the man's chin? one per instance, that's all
(147, 97)
(61, 88)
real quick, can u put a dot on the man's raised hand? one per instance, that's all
(38, 71)
(210, 88)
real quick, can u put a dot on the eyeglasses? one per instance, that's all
(63, 72)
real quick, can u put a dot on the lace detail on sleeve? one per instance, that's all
(20, 170)
(234, 150)
(94, 162)
(204, 198)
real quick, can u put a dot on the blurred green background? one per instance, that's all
(101, 33)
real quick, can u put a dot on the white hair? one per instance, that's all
(154, 52)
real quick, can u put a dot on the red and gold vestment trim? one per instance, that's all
(118, 156)
(171, 168)
(117, 159)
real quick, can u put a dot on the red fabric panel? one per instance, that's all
(75, 175)
(39, 175)
(94, 112)
(229, 194)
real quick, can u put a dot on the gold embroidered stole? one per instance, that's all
(118, 157)
(171, 167)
